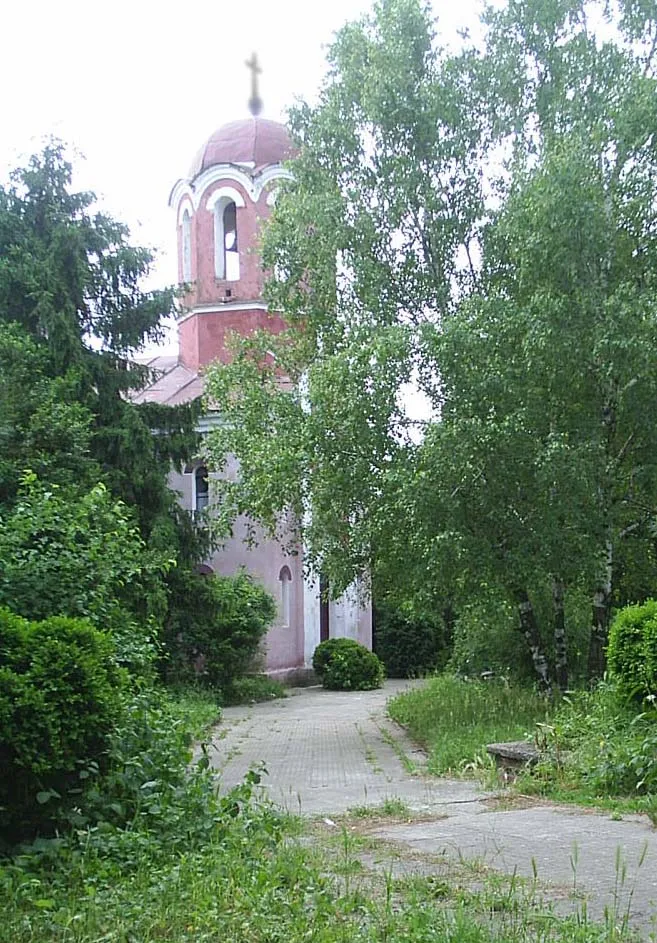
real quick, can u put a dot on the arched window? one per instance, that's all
(286, 578)
(187, 246)
(201, 489)
(226, 249)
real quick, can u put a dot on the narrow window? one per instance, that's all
(187, 246)
(201, 489)
(226, 250)
(286, 579)
(230, 243)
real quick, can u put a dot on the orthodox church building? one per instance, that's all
(218, 209)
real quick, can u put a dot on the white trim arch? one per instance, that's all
(186, 203)
(253, 185)
(226, 194)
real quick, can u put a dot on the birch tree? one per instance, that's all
(482, 224)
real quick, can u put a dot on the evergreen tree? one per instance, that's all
(73, 315)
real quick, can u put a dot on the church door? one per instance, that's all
(323, 608)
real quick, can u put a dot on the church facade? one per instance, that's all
(219, 208)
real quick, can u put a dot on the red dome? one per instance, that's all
(256, 141)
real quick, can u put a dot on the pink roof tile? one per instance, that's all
(173, 384)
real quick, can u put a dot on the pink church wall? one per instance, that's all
(283, 646)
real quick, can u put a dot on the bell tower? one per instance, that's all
(219, 207)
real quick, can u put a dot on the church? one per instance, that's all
(219, 208)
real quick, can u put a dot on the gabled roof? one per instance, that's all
(173, 383)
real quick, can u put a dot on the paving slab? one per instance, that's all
(326, 752)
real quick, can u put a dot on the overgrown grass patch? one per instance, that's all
(197, 708)
(252, 688)
(599, 749)
(454, 719)
(252, 881)
(189, 865)
(392, 807)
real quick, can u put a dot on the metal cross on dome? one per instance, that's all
(255, 102)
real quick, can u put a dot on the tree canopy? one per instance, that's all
(73, 317)
(477, 226)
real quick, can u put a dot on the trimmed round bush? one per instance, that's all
(60, 697)
(632, 651)
(343, 664)
(325, 651)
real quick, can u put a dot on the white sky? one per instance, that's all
(136, 86)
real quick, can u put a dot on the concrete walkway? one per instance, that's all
(327, 752)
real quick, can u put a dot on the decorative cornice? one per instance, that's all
(220, 308)
(252, 184)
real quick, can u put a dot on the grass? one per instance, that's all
(266, 890)
(191, 867)
(455, 719)
(198, 709)
(599, 750)
(392, 807)
(253, 688)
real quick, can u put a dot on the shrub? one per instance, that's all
(81, 555)
(59, 700)
(343, 664)
(325, 651)
(215, 627)
(598, 746)
(632, 651)
(409, 647)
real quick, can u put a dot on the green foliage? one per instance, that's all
(409, 646)
(342, 664)
(81, 554)
(455, 719)
(59, 703)
(42, 426)
(478, 224)
(632, 652)
(252, 688)
(215, 627)
(597, 747)
(73, 315)
(147, 783)
(486, 639)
